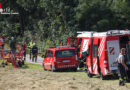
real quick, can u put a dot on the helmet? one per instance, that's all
(12, 38)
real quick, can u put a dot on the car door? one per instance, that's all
(48, 59)
(94, 56)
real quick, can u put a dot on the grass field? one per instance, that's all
(33, 77)
(26, 66)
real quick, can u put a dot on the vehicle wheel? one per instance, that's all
(102, 77)
(6, 63)
(44, 67)
(89, 74)
(115, 76)
(75, 69)
(3, 64)
(20, 64)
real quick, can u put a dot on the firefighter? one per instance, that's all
(122, 67)
(13, 45)
(34, 53)
(24, 50)
(31, 46)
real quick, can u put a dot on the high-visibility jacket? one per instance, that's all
(31, 44)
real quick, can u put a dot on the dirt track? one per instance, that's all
(26, 79)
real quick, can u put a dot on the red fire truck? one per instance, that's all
(101, 50)
(61, 57)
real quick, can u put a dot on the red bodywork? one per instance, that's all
(98, 59)
(50, 59)
(12, 58)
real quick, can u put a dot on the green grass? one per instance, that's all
(25, 66)
(32, 66)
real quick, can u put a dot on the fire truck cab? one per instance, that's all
(61, 57)
(102, 50)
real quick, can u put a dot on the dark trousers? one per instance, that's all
(24, 54)
(34, 58)
(122, 72)
(30, 53)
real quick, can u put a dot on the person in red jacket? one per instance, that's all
(2, 42)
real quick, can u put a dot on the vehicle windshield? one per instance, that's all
(65, 53)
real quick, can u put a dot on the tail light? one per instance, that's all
(54, 59)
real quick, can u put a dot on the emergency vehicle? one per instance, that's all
(61, 57)
(101, 50)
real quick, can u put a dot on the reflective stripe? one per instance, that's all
(120, 79)
(89, 69)
(31, 44)
(125, 78)
(101, 47)
(106, 71)
(95, 64)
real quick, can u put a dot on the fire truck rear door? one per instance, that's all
(94, 59)
(113, 52)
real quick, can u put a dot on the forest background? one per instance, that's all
(50, 22)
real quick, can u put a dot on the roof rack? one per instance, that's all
(85, 33)
(110, 32)
(81, 32)
(118, 32)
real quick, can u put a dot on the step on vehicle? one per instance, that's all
(59, 58)
(102, 50)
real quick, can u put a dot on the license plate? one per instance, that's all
(66, 61)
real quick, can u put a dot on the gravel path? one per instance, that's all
(39, 60)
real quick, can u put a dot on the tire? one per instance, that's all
(89, 74)
(75, 69)
(20, 64)
(6, 63)
(44, 67)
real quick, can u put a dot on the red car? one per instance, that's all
(60, 58)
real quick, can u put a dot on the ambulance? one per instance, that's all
(101, 50)
(60, 58)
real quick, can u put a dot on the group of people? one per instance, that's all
(32, 46)
(33, 51)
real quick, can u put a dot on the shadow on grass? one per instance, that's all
(31, 66)
(109, 77)
(25, 66)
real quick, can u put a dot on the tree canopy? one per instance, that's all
(52, 21)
